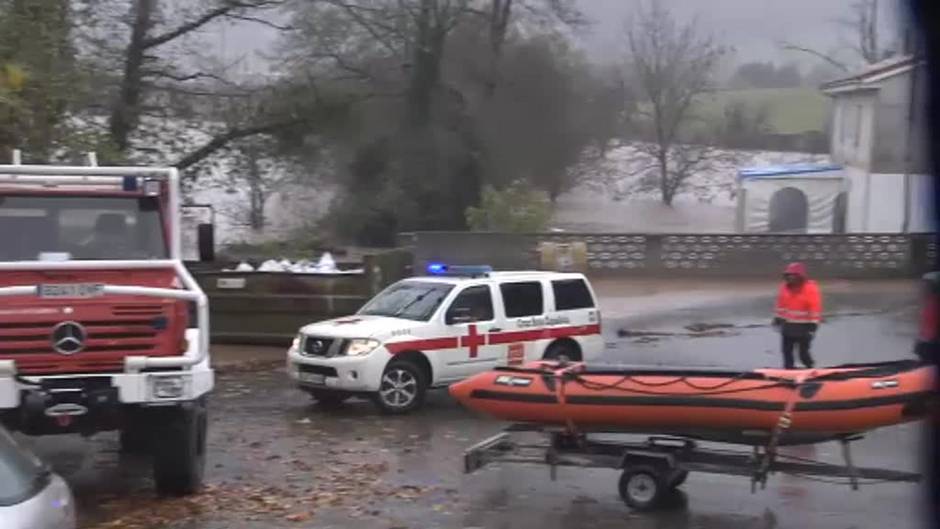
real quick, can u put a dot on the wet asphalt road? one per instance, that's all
(277, 461)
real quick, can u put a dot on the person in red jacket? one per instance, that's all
(797, 314)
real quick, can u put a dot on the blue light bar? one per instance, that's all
(441, 269)
(129, 183)
(437, 268)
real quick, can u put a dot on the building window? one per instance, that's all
(789, 211)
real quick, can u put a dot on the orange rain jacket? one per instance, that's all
(800, 304)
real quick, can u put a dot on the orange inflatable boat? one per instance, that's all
(801, 406)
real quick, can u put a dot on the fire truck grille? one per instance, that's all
(136, 336)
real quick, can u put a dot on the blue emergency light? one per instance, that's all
(441, 269)
(129, 183)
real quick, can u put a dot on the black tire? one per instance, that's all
(179, 457)
(641, 487)
(562, 351)
(402, 388)
(678, 478)
(135, 435)
(329, 399)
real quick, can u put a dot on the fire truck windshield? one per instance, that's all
(80, 227)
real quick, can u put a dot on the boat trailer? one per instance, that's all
(656, 466)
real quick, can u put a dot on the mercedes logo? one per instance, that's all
(68, 337)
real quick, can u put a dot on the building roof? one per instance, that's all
(798, 170)
(870, 77)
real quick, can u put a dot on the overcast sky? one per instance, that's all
(753, 27)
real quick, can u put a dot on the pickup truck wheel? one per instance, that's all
(562, 351)
(329, 399)
(402, 388)
(180, 456)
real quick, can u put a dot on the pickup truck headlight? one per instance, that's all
(361, 346)
(295, 345)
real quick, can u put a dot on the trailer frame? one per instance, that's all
(659, 464)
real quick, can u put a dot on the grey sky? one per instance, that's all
(753, 27)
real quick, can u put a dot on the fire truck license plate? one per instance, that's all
(71, 290)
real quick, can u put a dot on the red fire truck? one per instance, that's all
(101, 326)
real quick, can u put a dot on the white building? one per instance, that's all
(878, 181)
(877, 134)
(794, 198)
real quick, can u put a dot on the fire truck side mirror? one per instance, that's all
(205, 241)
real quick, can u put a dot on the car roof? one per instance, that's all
(490, 277)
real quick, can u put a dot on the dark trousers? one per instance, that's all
(802, 342)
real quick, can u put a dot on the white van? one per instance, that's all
(427, 332)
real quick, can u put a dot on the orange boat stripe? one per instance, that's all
(703, 401)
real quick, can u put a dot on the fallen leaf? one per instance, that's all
(299, 517)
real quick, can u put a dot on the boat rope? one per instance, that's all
(702, 391)
(560, 395)
(783, 424)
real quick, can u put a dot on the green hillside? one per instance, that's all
(792, 110)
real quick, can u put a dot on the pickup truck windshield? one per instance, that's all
(410, 300)
(22, 474)
(80, 227)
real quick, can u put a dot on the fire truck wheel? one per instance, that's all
(179, 457)
(135, 435)
(402, 388)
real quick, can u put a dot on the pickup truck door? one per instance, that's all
(470, 317)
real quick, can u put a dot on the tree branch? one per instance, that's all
(182, 78)
(209, 16)
(261, 21)
(230, 135)
(814, 53)
(369, 26)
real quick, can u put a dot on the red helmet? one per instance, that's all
(797, 269)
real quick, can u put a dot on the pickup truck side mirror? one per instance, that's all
(458, 315)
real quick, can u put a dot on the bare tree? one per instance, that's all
(868, 45)
(259, 172)
(500, 16)
(671, 64)
(864, 23)
(151, 27)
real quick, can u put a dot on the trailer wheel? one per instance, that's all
(641, 487)
(180, 456)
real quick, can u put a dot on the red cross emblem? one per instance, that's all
(473, 341)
